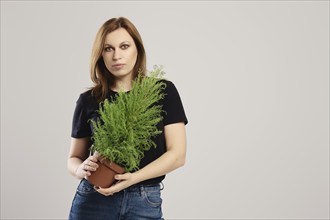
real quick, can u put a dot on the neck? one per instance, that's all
(122, 85)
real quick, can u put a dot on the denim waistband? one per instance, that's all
(153, 187)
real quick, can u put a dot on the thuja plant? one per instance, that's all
(128, 122)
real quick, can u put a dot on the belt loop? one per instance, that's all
(141, 189)
(161, 185)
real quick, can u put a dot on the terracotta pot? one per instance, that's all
(104, 176)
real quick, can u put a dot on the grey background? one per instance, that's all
(253, 77)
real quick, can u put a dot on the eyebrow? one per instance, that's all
(119, 44)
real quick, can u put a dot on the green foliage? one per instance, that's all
(128, 121)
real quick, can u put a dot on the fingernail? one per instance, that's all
(96, 187)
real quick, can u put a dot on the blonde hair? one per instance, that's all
(100, 75)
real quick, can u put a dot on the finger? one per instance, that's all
(89, 162)
(104, 191)
(89, 167)
(93, 158)
(93, 164)
(83, 173)
(124, 176)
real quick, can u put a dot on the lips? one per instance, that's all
(118, 65)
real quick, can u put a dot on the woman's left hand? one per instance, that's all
(124, 181)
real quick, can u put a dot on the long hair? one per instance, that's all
(100, 75)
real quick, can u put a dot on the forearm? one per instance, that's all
(73, 164)
(78, 153)
(168, 162)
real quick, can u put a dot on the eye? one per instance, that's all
(108, 49)
(124, 46)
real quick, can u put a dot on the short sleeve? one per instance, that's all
(80, 123)
(173, 107)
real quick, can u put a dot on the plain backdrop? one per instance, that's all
(253, 77)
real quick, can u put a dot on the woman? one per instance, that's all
(118, 55)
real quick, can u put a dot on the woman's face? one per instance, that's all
(120, 54)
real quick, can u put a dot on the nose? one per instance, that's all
(116, 55)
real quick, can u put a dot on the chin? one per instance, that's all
(120, 74)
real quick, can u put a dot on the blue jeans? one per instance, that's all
(133, 203)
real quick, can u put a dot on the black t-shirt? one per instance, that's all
(173, 112)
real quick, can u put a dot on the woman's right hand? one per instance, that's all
(86, 167)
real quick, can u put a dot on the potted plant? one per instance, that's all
(125, 127)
